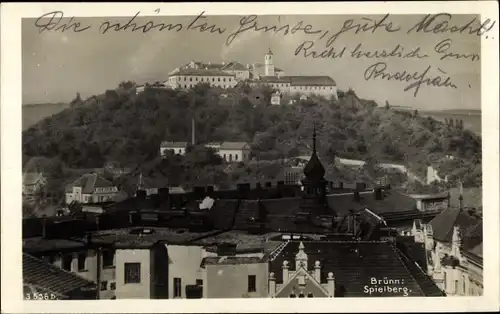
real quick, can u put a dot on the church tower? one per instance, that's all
(314, 198)
(269, 64)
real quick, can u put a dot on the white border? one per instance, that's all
(11, 14)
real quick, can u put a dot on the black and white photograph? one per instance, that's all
(234, 156)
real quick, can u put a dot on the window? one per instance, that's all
(235, 156)
(107, 258)
(293, 295)
(464, 284)
(112, 286)
(310, 295)
(66, 262)
(177, 287)
(82, 258)
(199, 282)
(132, 272)
(252, 283)
(104, 285)
(456, 286)
(230, 157)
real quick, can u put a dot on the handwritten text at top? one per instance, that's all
(429, 24)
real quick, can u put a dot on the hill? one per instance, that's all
(471, 118)
(120, 126)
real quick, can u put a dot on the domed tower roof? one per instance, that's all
(314, 170)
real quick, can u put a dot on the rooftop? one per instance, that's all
(443, 223)
(88, 182)
(202, 72)
(50, 278)
(167, 144)
(355, 265)
(303, 80)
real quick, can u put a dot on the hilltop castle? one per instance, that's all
(227, 75)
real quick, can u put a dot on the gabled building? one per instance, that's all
(232, 151)
(453, 244)
(306, 269)
(90, 188)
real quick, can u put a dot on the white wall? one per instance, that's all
(140, 290)
(190, 81)
(185, 264)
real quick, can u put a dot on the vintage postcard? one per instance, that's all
(248, 155)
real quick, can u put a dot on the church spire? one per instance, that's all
(314, 138)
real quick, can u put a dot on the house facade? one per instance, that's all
(190, 77)
(178, 148)
(91, 188)
(453, 244)
(231, 151)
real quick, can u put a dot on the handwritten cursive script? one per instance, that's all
(441, 23)
(415, 79)
(53, 21)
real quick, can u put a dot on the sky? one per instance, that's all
(57, 65)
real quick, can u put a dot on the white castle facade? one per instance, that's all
(228, 75)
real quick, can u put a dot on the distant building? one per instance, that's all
(232, 151)
(178, 148)
(430, 202)
(33, 182)
(90, 188)
(190, 77)
(276, 98)
(432, 176)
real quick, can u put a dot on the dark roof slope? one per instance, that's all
(442, 224)
(88, 182)
(354, 265)
(50, 278)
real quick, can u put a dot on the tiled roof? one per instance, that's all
(473, 240)
(354, 264)
(223, 213)
(131, 237)
(202, 72)
(167, 144)
(50, 278)
(88, 182)
(443, 223)
(234, 145)
(242, 240)
(231, 260)
(234, 66)
(415, 251)
(30, 178)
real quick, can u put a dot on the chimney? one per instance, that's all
(198, 192)
(44, 227)
(317, 271)
(285, 272)
(164, 194)
(272, 285)
(258, 186)
(378, 194)
(341, 185)
(357, 196)
(140, 194)
(331, 285)
(210, 190)
(193, 139)
(268, 184)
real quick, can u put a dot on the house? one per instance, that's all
(232, 151)
(453, 248)
(312, 269)
(429, 202)
(90, 188)
(178, 148)
(33, 182)
(43, 281)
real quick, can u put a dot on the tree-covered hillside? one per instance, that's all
(120, 126)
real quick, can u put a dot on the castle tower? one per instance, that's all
(269, 63)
